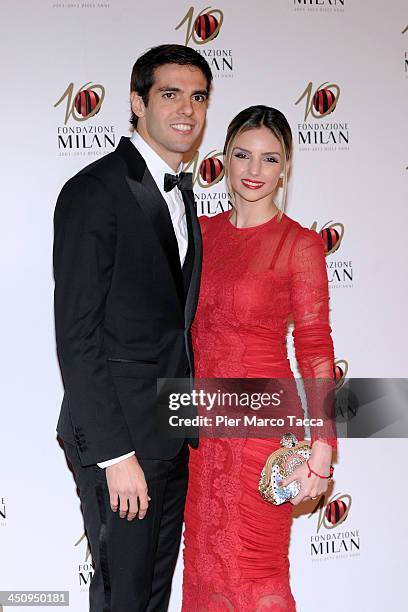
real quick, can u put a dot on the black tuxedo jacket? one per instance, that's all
(123, 306)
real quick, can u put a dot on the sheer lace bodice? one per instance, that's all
(254, 282)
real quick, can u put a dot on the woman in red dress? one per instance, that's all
(259, 268)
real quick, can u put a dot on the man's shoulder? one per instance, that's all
(93, 185)
(106, 168)
(101, 175)
(110, 169)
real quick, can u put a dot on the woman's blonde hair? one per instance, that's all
(256, 117)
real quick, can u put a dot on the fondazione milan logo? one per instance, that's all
(334, 542)
(336, 511)
(84, 104)
(339, 271)
(207, 172)
(320, 102)
(83, 135)
(332, 237)
(332, 234)
(319, 131)
(204, 27)
(211, 170)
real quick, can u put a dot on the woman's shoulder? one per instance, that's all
(306, 246)
(303, 236)
(207, 224)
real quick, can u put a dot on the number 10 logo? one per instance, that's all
(205, 27)
(85, 104)
(322, 101)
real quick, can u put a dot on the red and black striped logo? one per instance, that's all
(336, 511)
(205, 26)
(324, 101)
(86, 101)
(332, 234)
(211, 170)
(331, 239)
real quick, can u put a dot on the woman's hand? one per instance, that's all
(313, 487)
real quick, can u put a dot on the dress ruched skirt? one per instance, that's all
(236, 544)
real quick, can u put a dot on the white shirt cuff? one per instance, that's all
(105, 464)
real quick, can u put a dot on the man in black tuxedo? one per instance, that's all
(127, 262)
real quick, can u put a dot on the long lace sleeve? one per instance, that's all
(312, 339)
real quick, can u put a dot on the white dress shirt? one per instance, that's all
(174, 200)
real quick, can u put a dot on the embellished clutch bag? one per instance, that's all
(282, 463)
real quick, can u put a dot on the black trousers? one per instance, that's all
(133, 561)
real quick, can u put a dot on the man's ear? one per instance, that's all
(137, 104)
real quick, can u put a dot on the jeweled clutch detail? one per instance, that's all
(282, 463)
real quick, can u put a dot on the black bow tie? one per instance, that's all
(184, 181)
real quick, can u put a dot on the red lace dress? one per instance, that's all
(253, 280)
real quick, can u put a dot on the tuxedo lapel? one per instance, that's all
(193, 289)
(155, 209)
(150, 200)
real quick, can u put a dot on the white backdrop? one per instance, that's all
(265, 52)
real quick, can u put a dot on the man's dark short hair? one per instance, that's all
(142, 77)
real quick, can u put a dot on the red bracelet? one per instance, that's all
(319, 475)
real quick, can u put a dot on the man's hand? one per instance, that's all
(128, 489)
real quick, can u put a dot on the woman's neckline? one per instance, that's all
(252, 227)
